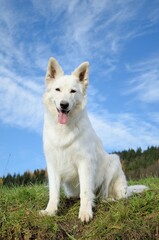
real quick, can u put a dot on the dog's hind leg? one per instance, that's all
(119, 187)
(72, 189)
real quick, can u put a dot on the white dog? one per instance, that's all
(74, 154)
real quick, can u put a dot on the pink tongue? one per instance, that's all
(62, 118)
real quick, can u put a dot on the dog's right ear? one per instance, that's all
(54, 71)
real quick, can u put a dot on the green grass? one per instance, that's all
(130, 219)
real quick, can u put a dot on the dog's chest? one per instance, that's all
(61, 136)
(63, 152)
(65, 163)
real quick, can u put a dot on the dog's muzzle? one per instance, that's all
(63, 112)
(64, 105)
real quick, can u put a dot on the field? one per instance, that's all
(130, 219)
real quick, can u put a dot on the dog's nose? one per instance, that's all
(64, 105)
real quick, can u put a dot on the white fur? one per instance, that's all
(74, 154)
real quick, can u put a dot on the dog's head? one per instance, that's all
(65, 93)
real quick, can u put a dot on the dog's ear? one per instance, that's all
(82, 73)
(54, 71)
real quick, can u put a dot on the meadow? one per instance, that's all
(135, 218)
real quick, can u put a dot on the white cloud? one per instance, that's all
(93, 29)
(125, 131)
(121, 131)
(80, 30)
(145, 84)
(21, 102)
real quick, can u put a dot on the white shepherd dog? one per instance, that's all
(74, 154)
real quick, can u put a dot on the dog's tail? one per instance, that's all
(136, 189)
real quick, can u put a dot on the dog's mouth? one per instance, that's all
(62, 116)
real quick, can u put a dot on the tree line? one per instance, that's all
(36, 177)
(139, 164)
(136, 164)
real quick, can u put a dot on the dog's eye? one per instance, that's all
(72, 91)
(57, 89)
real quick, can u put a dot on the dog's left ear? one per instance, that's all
(82, 73)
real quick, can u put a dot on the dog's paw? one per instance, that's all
(47, 213)
(85, 216)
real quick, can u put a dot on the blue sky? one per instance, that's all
(120, 39)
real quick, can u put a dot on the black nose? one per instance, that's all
(64, 105)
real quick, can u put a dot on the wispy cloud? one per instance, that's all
(20, 101)
(84, 30)
(95, 29)
(124, 131)
(120, 131)
(145, 83)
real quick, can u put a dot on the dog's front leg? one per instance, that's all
(86, 191)
(54, 191)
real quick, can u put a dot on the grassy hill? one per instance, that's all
(134, 218)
